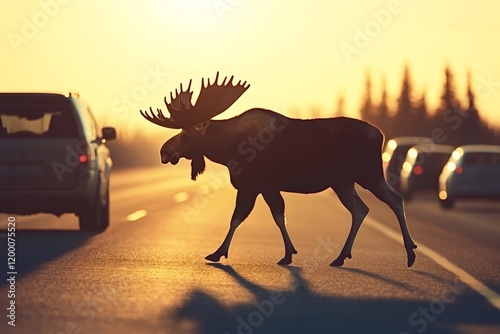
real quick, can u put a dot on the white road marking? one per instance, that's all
(136, 215)
(491, 296)
(181, 197)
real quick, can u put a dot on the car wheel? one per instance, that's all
(96, 217)
(105, 212)
(447, 204)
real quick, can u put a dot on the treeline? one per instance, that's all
(135, 150)
(456, 120)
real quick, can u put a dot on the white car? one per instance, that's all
(473, 171)
(53, 158)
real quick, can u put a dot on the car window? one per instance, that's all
(88, 121)
(436, 161)
(33, 119)
(481, 159)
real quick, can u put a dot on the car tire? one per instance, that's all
(447, 204)
(96, 217)
(105, 211)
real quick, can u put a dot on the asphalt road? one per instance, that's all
(147, 272)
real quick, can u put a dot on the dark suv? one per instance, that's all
(53, 158)
(395, 154)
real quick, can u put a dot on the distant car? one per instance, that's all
(422, 168)
(473, 171)
(53, 158)
(395, 154)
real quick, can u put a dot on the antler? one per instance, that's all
(212, 100)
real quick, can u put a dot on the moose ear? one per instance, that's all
(201, 128)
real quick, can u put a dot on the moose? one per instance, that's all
(268, 153)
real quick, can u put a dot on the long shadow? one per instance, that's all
(376, 276)
(35, 247)
(298, 309)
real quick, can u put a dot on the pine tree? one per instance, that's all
(403, 119)
(383, 118)
(315, 112)
(474, 131)
(448, 116)
(421, 117)
(366, 112)
(339, 112)
(449, 99)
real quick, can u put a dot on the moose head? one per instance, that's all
(193, 119)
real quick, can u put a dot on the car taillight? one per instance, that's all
(459, 170)
(84, 158)
(418, 170)
(84, 154)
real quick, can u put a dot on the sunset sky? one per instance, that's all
(122, 56)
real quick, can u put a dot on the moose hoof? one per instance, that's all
(337, 263)
(288, 257)
(213, 257)
(285, 261)
(411, 257)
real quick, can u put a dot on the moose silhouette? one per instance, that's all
(267, 153)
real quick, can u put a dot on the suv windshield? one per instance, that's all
(481, 159)
(436, 161)
(36, 118)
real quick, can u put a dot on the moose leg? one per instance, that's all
(358, 209)
(244, 204)
(275, 202)
(394, 200)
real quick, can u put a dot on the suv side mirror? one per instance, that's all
(108, 133)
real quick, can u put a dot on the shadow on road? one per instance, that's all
(35, 247)
(375, 276)
(300, 310)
